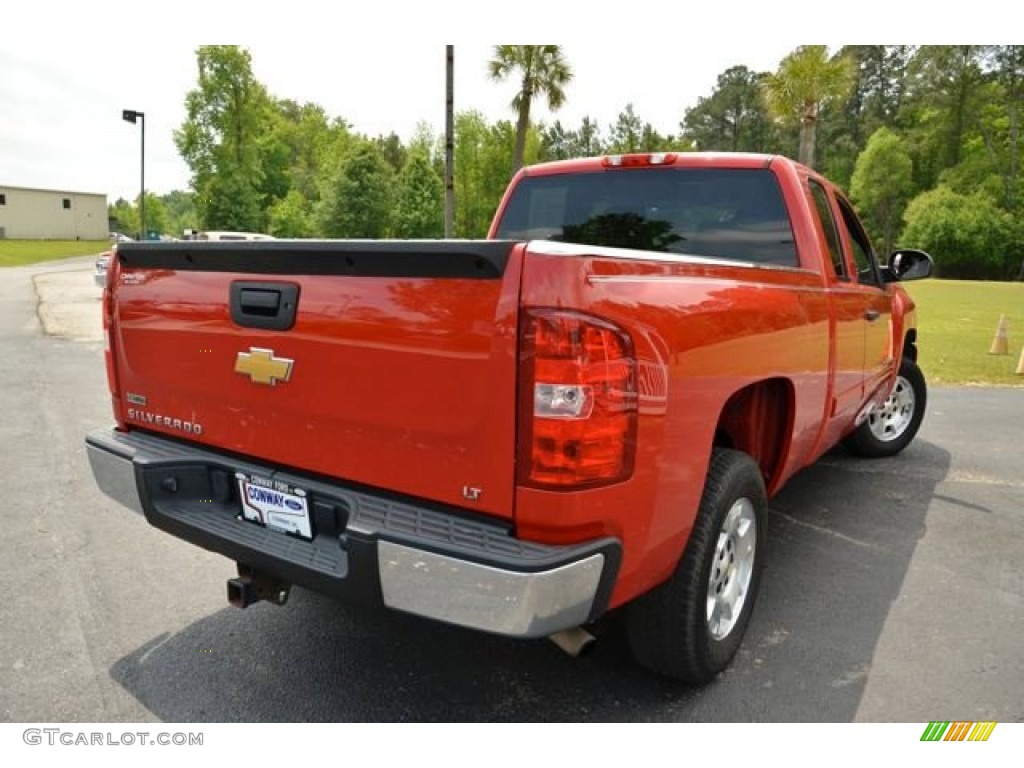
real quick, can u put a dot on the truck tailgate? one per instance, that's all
(397, 369)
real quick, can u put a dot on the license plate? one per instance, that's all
(274, 504)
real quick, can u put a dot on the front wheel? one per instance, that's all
(690, 627)
(891, 428)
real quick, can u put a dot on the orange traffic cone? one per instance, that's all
(1001, 342)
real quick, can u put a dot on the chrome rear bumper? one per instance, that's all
(449, 566)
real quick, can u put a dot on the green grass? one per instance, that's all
(956, 322)
(15, 253)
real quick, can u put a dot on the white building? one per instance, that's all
(52, 214)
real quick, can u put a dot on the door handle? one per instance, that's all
(871, 315)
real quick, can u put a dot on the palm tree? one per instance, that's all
(544, 70)
(806, 80)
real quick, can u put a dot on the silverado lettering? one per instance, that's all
(643, 351)
(166, 421)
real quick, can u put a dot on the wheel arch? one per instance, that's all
(758, 420)
(910, 344)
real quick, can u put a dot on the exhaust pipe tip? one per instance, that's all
(576, 642)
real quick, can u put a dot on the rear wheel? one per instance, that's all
(690, 627)
(891, 428)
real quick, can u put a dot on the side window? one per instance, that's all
(863, 256)
(828, 224)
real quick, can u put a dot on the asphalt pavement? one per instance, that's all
(894, 589)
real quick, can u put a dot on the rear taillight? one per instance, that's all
(108, 321)
(578, 401)
(108, 344)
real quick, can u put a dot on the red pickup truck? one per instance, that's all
(588, 410)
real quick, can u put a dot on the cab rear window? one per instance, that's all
(736, 214)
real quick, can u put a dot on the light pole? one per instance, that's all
(449, 143)
(131, 116)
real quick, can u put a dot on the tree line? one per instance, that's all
(924, 139)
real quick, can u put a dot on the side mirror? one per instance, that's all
(910, 264)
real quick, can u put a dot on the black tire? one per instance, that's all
(669, 629)
(890, 429)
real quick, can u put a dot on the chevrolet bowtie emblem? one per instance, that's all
(262, 367)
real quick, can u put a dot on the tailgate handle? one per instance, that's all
(256, 301)
(264, 305)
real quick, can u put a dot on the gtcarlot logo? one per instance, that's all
(60, 737)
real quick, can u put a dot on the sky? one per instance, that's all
(380, 66)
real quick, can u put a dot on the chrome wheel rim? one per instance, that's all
(731, 568)
(890, 421)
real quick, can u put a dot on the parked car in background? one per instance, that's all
(118, 237)
(221, 236)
